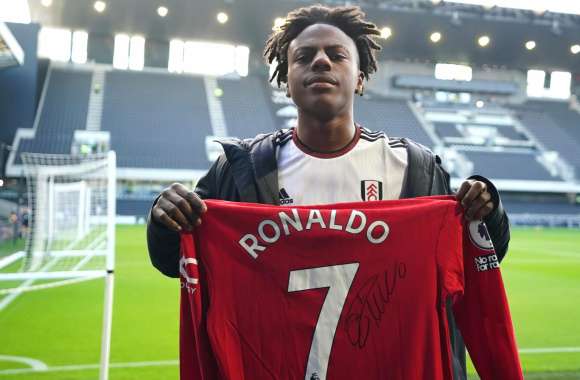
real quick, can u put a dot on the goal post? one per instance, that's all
(71, 235)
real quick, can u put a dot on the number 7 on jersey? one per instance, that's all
(338, 279)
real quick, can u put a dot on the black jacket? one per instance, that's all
(247, 172)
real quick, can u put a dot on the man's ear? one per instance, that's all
(360, 83)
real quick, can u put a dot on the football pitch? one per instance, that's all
(59, 329)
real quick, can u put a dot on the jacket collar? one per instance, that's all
(254, 167)
(255, 170)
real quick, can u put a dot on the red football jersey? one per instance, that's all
(343, 291)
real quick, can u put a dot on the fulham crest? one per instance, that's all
(371, 190)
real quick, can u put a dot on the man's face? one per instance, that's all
(323, 71)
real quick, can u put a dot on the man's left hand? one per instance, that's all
(475, 199)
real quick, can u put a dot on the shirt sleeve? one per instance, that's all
(449, 254)
(482, 313)
(196, 360)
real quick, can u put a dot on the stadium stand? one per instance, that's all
(567, 119)
(508, 165)
(64, 110)
(156, 120)
(134, 207)
(246, 107)
(392, 116)
(509, 132)
(447, 130)
(543, 120)
(160, 120)
(523, 207)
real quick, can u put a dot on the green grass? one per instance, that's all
(62, 326)
(8, 247)
(542, 277)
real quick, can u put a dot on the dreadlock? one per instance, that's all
(349, 19)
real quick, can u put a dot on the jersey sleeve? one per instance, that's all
(196, 360)
(449, 255)
(482, 313)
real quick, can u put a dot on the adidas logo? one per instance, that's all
(284, 197)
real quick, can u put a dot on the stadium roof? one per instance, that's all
(411, 21)
(554, 6)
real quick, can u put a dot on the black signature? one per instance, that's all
(370, 303)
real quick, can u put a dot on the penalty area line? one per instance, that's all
(161, 363)
(82, 367)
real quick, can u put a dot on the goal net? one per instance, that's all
(71, 234)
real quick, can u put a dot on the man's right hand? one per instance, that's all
(178, 208)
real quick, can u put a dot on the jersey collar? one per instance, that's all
(337, 153)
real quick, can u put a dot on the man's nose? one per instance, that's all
(321, 62)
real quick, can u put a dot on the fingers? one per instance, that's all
(171, 215)
(484, 211)
(179, 208)
(476, 188)
(475, 199)
(465, 186)
(194, 202)
(479, 207)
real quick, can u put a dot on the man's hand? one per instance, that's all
(475, 199)
(178, 208)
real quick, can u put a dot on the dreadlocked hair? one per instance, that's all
(349, 19)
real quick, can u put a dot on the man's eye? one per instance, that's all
(338, 57)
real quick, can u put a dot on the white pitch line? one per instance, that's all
(563, 375)
(12, 296)
(550, 350)
(81, 367)
(35, 365)
(7, 260)
(161, 363)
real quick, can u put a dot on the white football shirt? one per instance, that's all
(371, 167)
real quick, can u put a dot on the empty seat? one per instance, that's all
(392, 116)
(64, 110)
(508, 165)
(156, 120)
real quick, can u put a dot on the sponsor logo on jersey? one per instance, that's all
(486, 262)
(189, 274)
(479, 235)
(371, 190)
(284, 197)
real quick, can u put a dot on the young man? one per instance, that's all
(323, 55)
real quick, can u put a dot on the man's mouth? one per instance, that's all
(321, 82)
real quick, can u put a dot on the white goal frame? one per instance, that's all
(42, 191)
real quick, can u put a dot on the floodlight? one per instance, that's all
(222, 17)
(162, 11)
(483, 41)
(531, 45)
(435, 37)
(386, 32)
(278, 22)
(100, 6)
